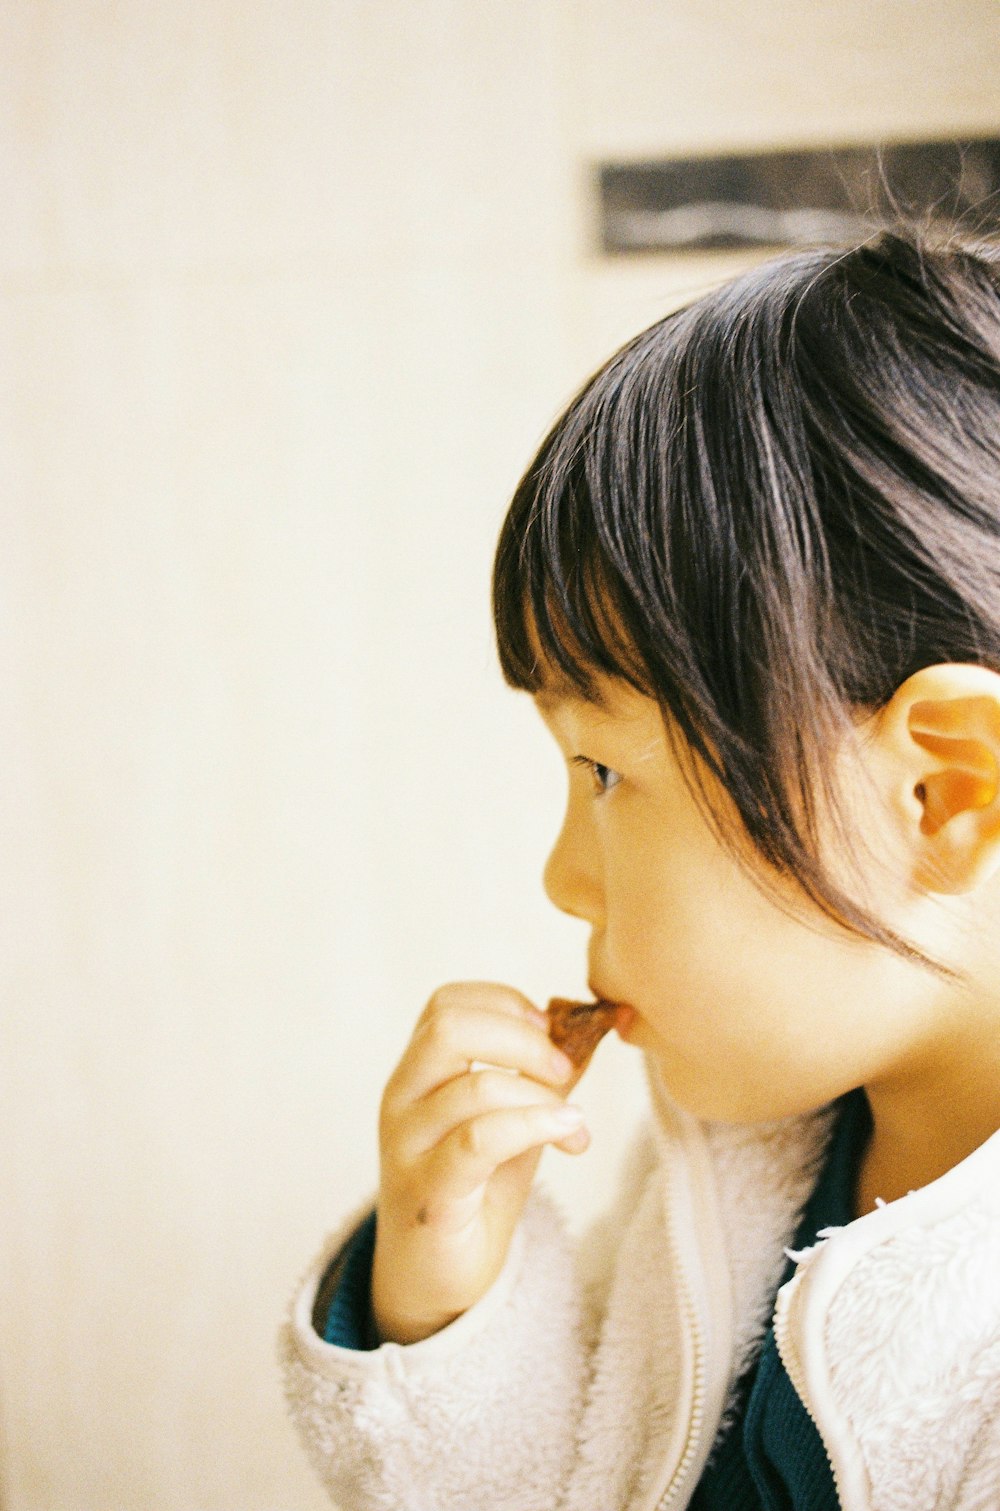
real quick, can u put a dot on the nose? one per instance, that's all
(570, 878)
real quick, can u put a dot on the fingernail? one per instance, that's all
(562, 1065)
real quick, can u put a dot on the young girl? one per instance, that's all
(752, 582)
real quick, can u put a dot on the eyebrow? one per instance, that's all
(550, 697)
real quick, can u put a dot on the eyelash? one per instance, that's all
(600, 774)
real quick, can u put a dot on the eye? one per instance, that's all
(604, 777)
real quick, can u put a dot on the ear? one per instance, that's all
(942, 730)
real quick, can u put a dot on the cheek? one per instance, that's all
(703, 952)
(668, 910)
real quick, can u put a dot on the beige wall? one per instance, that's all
(287, 293)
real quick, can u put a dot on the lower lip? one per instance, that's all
(624, 1020)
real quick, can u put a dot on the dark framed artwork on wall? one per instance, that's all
(797, 197)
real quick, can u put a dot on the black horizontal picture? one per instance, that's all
(791, 198)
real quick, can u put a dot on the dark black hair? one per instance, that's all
(766, 512)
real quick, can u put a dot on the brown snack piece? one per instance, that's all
(578, 1027)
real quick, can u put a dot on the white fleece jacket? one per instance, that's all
(598, 1381)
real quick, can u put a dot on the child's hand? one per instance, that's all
(459, 1149)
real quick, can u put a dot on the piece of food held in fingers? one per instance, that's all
(578, 1027)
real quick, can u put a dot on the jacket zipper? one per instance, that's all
(691, 1318)
(789, 1355)
(697, 1415)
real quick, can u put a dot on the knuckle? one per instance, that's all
(471, 1139)
(446, 996)
(440, 1009)
(434, 1002)
(429, 1015)
(439, 1030)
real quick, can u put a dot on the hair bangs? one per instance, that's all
(562, 611)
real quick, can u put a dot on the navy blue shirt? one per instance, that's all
(772, 1457)
(343, 1310)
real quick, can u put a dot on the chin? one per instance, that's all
(711, 1102)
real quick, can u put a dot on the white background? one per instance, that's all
(288, 293)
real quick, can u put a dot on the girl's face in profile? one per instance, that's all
(750, 1013)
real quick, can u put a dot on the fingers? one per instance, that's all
(475, 1021)
(464, 1160)
(446, 1129)
(427, 1122)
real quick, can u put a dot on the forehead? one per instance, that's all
(551, 700)
(611, 700)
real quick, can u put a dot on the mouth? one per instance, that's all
(625, 1014)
